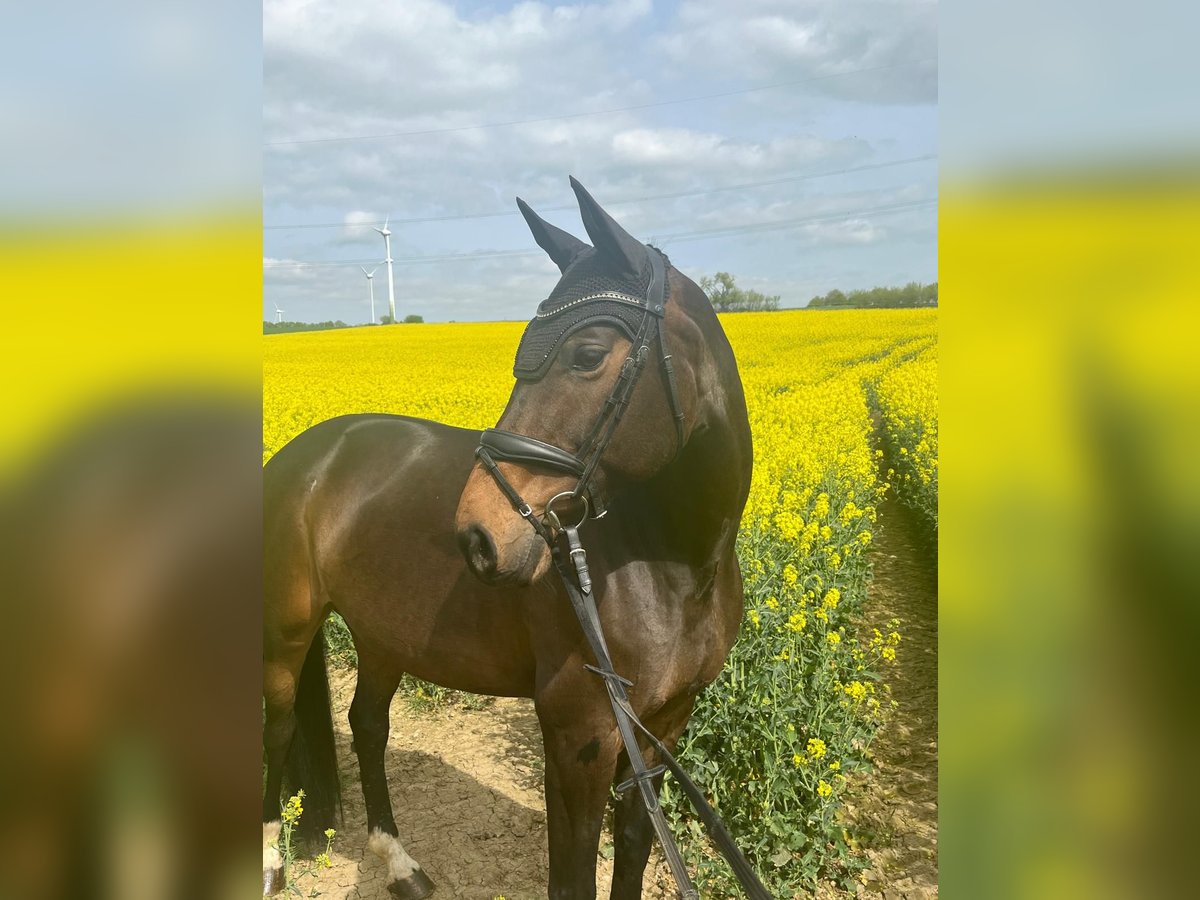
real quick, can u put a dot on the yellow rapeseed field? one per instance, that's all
(773, 739)
(908, 402)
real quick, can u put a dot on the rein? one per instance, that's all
(571, 562)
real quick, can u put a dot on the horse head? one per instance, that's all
(575, 358)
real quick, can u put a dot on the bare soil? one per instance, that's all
(895, 810)
(466, 785)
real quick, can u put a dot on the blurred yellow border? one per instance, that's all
(1069, 399)
(98, 310)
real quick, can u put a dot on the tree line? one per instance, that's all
(912, 294)
(726, 296)
(285, 327)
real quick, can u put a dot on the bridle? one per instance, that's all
(497, 445)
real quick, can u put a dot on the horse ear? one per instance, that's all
(611, 239)
(562, 246)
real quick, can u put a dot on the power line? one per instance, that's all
(450, 257)
(685, 237)
(678, 238)
(599, 112)
(699, 193)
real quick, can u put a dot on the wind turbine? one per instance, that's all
(387, 245)
(371, 287)
(279, 314)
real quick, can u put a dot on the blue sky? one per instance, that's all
(826, 180)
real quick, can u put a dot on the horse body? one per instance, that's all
(363, 498)
(391, 522)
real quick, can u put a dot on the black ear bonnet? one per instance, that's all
(589, 293)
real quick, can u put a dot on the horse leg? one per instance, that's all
(279, 693)
(377, 682)
(633, 833)
(581, 745)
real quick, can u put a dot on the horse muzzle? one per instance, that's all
(515, 561)
(497, 544)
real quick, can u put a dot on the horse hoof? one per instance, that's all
(416, 886)
(272, 881)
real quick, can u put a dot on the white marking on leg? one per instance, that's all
(400, 865)
(272, 858)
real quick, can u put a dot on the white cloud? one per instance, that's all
(850, 231)
(358, 225)
(710, 152)
(796, 39)
(334, 69)
(379, 68)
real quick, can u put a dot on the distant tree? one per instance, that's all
(836, 298)
(412, 319)
(386, 319)
(726, 296)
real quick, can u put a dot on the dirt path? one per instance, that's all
(466, 784)
(466, 788)
(896, 808)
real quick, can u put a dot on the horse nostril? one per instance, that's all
(479, 550)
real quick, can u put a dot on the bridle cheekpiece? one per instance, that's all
(497, 445)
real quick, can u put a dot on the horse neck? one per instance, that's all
(691, 509)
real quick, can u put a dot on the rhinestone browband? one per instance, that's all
(604, 295)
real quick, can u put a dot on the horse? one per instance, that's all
(396, 523)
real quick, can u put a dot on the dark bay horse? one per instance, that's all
(391, 522)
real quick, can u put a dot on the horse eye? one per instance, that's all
(588, 358)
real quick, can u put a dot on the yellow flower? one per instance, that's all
(754, 618)
(834, 766)
(856, 690)
(798, 760)
(771, 603)
(789, 575)
(823, 788)
(889, 653)
(834, 638)
(816, 748)
(293, 809)
(797, 621)
(831, 598)
(789, 524)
